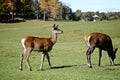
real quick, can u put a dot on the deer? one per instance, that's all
(102, 42)
(44, 45)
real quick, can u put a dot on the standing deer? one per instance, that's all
(43, 45)
(101, 41)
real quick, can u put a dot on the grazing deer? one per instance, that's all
(101, 41)
(43, 45)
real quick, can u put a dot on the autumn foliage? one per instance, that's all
(47, 10)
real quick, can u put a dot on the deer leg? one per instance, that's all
(88, 54)
(27, 58)
(21, 59)
(112, 62)
(100, 55)
(42, 61)
(48, 58)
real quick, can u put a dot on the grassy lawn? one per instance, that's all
(67, 57)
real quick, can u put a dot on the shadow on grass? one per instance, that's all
(64, 66)
(60, 67)
(117, 64)
(114, 65)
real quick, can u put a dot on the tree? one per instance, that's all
(88, 16)
(102, 16)
(67, 12)
(44, 8)
(35, 8)
(54, 9)
(50, 8)
(78, 15)
(5, 8)
(61, 11)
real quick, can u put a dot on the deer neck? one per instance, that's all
(54, 38)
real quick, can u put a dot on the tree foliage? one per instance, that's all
(35, 8)
(78, 15)
(54, 9)
(51, 8)
(67, 12)
(48, 10)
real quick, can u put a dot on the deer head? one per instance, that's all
(56, 30)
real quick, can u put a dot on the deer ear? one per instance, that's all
(57, 26)
(53, 25)
(115, 50)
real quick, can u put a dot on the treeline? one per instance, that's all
(90, 16)
(47, 10)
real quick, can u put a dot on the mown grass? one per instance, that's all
(67, 57)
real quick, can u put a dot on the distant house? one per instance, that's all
(95, 18)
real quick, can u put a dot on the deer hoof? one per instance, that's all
(21, 69)
(51, 67)
(41, 69)
(30, 69)
(90, 66)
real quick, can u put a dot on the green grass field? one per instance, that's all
(67, 57)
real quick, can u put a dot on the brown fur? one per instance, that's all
(43, 45)
(39, 44)
(101, 41)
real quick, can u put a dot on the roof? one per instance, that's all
(95, 16)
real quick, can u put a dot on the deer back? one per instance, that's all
(100, 40)
(39, 44)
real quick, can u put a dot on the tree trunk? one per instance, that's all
(44, 17)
